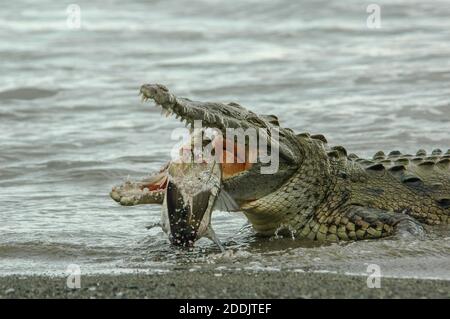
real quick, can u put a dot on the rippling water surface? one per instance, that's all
(71, 125)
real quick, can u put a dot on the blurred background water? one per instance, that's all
(71, 125)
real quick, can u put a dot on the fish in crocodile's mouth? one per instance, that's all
(189, 190)
(151, 190)
(190, 197)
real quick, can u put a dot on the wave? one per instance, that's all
(54, 250)
(26, 93)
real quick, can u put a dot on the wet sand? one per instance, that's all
(209, 284)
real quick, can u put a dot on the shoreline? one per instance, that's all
(213, 284)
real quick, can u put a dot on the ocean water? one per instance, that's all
(72, 126)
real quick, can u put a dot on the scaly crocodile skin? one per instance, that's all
(334, 196)
(330, 195)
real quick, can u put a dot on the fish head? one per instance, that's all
(191, 192)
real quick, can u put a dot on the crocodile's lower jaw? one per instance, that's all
(144, 192)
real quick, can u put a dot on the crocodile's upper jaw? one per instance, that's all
(212, 115)
(222, 116)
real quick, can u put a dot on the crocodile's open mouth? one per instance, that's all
(151, 190)
(232, 163)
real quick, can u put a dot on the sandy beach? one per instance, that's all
(206, 284)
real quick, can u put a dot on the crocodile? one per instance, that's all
(319, 192)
